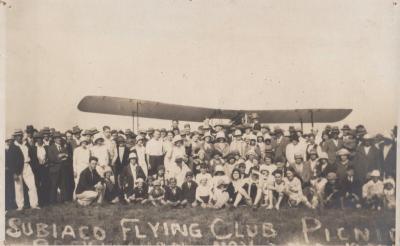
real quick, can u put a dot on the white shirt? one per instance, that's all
(121, 151)
(101, 152)
(366, 149)
(133, 170)
(386, 149)
(292, 149)
(41, 154)
(178, 173)
(81, 159)
(24, 150)
(154, 147)
(141, 154)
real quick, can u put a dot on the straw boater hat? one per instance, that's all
(37, 135)
(323, 155)
(9, 138)
(368, 137)
(93, 131)
(98, 137)
(18, 132)
(343, 152)
(375, 173)
(56, 135)
(220, 134)
(76, 130)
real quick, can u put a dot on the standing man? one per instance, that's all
(388, 152)
(58, 158)
(154, 153)
(367, 158)
(40, 162)
(333, 145)
(26, 176)
(14, 160)
(110, 144)
(279, 145)
(76, 131)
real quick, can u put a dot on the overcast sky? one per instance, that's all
(239, 54)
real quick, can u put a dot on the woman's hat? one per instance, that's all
(98, 137)
(237, 133)
(343, 152)
(220, 134)
(323, 155)
(375, 173)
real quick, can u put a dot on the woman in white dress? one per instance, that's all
(140, 150)
(178, 149)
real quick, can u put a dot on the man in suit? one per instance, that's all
(279, 145)
(130, 173)
(68, 169)
(39, 160)
(58, 160)
(91, 186)
(27, 176)
(189, 190)
(387, 150)
(333, 145)
(76, 140)
(367, 158)
(14, 162)
(121, 161)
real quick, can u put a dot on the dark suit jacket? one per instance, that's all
(122, 161)
(14, 160)
(364, 163)
(350, 187)
(126, 179)
(389, 163)
(55, 162)
(87, 180)
(280, 149)
(170, 196)
(331, 148)
(189, 194)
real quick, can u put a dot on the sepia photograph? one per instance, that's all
(199, 122)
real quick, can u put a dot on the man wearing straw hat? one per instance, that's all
(26, 176)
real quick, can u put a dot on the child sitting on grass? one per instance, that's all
(156, 194)
(140, 192)
(173, 194)
(203, 193)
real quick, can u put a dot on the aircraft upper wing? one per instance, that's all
(165, 111)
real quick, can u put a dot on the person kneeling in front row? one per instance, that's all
(90, 187)
(173, 194)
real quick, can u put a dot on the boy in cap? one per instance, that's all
(156, 194)
(372, 191)
(189, 190)
(173, 194)
(332, 191)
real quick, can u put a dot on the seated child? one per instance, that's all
(160, 175)
(220, 195)
(140, 192)
(111, 193)
(278, 188)
(372, 191)
(389, 195)
(267, 181)
(203, 174)
(253, 188)
(331, 197)
(203, 192)
(156, 194)
(173, 194)
(294, 190)
(189, 190)
(350, 194)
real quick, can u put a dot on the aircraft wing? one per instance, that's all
(165, 111)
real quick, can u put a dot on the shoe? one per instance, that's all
(36, 207)
(20, 209)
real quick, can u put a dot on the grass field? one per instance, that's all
(115, 224)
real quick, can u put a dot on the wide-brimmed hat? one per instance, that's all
(93, 131)
(219, 168)
(207, 134)
(343, 152)
(260, 135)
(86, 133)
(375, 173)
(121, 139)
(220, 134)
(76, 130)
(9, 138)
(346, 127)
(18, 132)
(45, 130)
(267, 136)
(29, 129)
(139, 137)
(98, 137)
(323, 155)
(313, 152)
(150, 130)
(237, 133)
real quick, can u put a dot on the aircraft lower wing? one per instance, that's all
(165, 111)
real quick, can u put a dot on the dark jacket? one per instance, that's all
(389, 163)
(87, 180)
(170, 196)
(353, 187)
(123, 160)
(331, 148)
(14, 160)
(126, 179)
(280, 149)
(189, 194)
(55, 162)
(365, 163)
(34, 159)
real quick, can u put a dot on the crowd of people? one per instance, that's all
(211, 167)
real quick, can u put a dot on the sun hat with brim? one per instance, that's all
(343, 152)
(251, 153)
(367, 137)
(139, 137)
(323, 155)
(260, 135)
(313, 152)
(331, 176)
(156, 182)
(97, 138)
(375, 173)
(18, 132)
(219, 168)
(45, 130)
(132, 156)
(267, 136)
(220, 135)
(86, 133)
(108, 169)
(76, 130)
